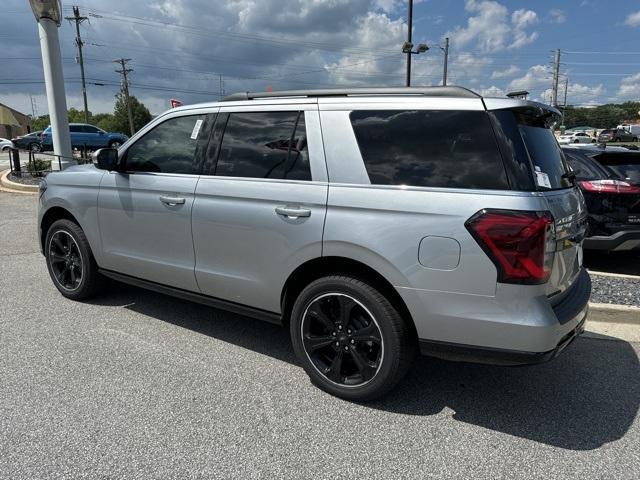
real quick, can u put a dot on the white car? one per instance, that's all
(576, 137)
(5, 144)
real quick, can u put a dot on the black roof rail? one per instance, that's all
(448, 91)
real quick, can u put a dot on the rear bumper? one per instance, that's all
(508, 329)
(619, 241)
(497, 356)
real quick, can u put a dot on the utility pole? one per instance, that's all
(34, 107)
(446, 61)
(409, 29)
(125, 88)
(566, 89)
(221, 87)
(79, 43)
(556, 75)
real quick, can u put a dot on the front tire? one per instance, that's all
(35, 147)
(114, 144)
(70, 262)
(352, 342)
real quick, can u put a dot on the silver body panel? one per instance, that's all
(227, 241)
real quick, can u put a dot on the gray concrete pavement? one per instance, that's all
(137, 385)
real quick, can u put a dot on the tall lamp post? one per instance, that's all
(48, 13)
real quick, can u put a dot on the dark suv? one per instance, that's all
(610, 183)
(616, 135)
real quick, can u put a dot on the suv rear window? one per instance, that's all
(625, 165)
(429, 148)
(532, 143)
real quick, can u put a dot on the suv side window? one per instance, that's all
(265, 145)
(90, 129)
(167, 148)
(429, 148)
(76, 129)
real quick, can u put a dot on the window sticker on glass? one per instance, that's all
(542, 179)
(196, 129)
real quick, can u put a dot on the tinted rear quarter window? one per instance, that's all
(429, 148)
(583, 167)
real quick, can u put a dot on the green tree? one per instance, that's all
(40, 123)
(141, 114)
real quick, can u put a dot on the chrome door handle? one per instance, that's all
(172, 200)
(293, 212)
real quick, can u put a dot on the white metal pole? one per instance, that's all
(56, 99)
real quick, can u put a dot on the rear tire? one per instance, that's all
(35, 147)
(350, 339)
(114, 144)
(70, 262)
(576, 141)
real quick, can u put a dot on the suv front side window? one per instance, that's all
(265, 145)
(167, 148)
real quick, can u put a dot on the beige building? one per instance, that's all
(13, 123)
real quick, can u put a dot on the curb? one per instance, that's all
(7, 185)
(611, 313)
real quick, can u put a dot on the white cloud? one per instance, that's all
(577, 94)
(633, 19)
(491, 27)
(491, 91)
(630, 87)
(536, 76)
(507, 72)
(557, 15)
(520, 20)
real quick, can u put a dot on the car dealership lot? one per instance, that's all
(137, 385)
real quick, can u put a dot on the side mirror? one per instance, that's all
(105, 159)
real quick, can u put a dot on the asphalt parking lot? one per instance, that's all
(137, 385)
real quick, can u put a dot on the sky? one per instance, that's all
(193, 50)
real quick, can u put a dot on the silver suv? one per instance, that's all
(374, 222)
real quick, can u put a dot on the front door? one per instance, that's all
(145, 212)
(260, 212)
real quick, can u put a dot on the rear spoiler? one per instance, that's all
(534, 112)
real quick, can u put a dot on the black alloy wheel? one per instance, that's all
(65, 260)
(342, 339)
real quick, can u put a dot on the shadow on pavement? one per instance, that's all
(587, 397)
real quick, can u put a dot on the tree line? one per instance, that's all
(118, 121)
(602, 116)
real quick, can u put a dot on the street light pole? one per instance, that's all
(48, 15)
(409, 32)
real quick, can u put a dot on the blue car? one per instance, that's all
(84, 135)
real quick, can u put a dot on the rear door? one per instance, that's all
(260, 206)
(534, 143)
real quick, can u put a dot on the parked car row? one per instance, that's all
(87, 136)
(82, 135)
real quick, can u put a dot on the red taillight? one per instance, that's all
(609, 186)
(520, 244)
